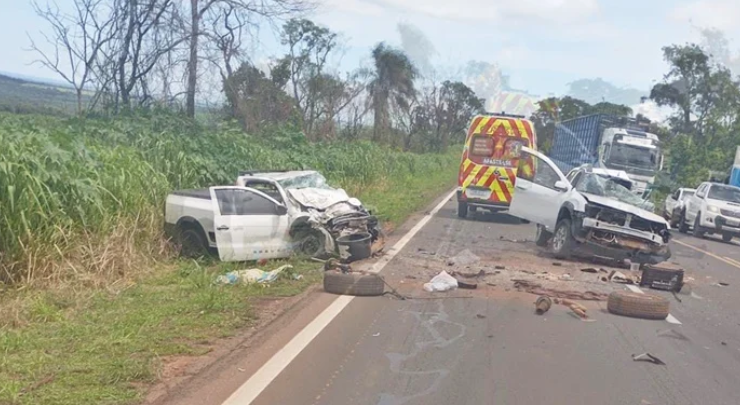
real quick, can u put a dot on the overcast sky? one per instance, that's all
(541, 44)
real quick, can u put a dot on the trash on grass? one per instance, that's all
(441, 282)
(649, 358)
(250, 276)
(542, 304)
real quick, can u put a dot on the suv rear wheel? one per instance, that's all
(562, 239)
(192, 244)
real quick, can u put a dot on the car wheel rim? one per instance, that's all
(559, 239)
(310, 245)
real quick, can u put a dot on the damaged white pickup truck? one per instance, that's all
(266, 215)
(587, 213)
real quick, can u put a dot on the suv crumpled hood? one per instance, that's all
(611, 203)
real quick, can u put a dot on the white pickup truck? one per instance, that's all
(266, 215)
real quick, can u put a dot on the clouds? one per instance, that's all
(722, 14)
(502, 12)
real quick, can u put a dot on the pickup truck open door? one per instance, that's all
(539, 193)
(249, 224)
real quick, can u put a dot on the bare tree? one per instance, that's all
(76, 41)
(247, 9)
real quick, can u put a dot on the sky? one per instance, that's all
(541, 44)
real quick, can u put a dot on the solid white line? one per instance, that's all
(253, 387)
(670, 319)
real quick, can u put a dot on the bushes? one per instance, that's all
(77, 194)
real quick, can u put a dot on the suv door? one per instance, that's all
(693, 203)
(249, 224)
(536, 197)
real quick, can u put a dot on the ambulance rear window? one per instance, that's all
(481, 145)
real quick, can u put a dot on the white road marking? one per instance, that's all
(670, 319)
(253, 387)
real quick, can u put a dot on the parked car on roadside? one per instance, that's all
(674, 204)
(266, 215)
(590, 212)
(713, 209)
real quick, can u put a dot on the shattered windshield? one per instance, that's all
(310, 180)
(724, 193)
(605, 186)
(636, 159)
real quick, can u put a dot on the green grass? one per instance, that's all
(105, 348)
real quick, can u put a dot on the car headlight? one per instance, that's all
(712, 208)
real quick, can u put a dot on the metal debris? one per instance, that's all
(500, 267)
(558, 264)
(537, 289)
(480, 316)
(649, 358)
(589, 270)
(467, 286)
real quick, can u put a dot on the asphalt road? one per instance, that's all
(490, 348)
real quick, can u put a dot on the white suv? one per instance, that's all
(715, 209)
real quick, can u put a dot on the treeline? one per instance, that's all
(124, 55)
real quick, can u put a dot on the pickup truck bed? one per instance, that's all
(203, 193)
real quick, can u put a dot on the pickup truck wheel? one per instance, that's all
(562, 239)
(727, 237)
(698, 231)
(192, 244)
(542, 236)
(683, 227)
(311, 243)
(462, 209)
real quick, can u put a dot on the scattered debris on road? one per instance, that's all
(590, 270)
(619, 277)
(469, 275)
(649, 358)
(512, 240)
(441, 282)
(467, 286)
(500, 267)
(722, 284)
(376, 334)
(557, 264)
(542, 304)
(538, 289)
(566, 277)
(659, 278)
(480, 316)
(464, 258)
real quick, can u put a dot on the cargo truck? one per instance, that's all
(610, 142)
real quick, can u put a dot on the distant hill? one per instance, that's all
(24, 96)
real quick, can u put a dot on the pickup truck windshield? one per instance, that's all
(634, 159)
(724, 193)
(592, 183)
(312, 180)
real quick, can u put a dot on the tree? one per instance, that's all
(392, 85)
(247, 9)
(77, 41)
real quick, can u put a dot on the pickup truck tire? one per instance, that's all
(562, 239)
(645, 306)
(542, 236)
(353, 283)
(311, 243)
(462, 209)
(698, 230)
(192, 244)
(683, 227)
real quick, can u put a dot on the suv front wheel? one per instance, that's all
(698, 230)
(562, 239)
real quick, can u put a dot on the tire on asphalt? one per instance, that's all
(644, 306)
(542, 236)
(462, 209)
(727, 237)
(683, 227)
(353, 283)
(562, 239)
(698, 231)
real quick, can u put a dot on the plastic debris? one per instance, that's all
(542, 304)
(376, 334)
(441, 282)
(250, 276)
(649, 358)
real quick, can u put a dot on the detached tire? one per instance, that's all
(644, 306)
(542, 236)
(358, 284)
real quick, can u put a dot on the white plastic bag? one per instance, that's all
(441, 282)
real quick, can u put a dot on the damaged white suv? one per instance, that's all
(588, 213)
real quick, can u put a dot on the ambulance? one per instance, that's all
(490, 161)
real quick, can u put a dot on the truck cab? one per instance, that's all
(636, 152)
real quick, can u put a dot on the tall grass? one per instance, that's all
(84, 199)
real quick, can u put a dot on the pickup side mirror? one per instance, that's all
(281, 209)
(561, 185)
